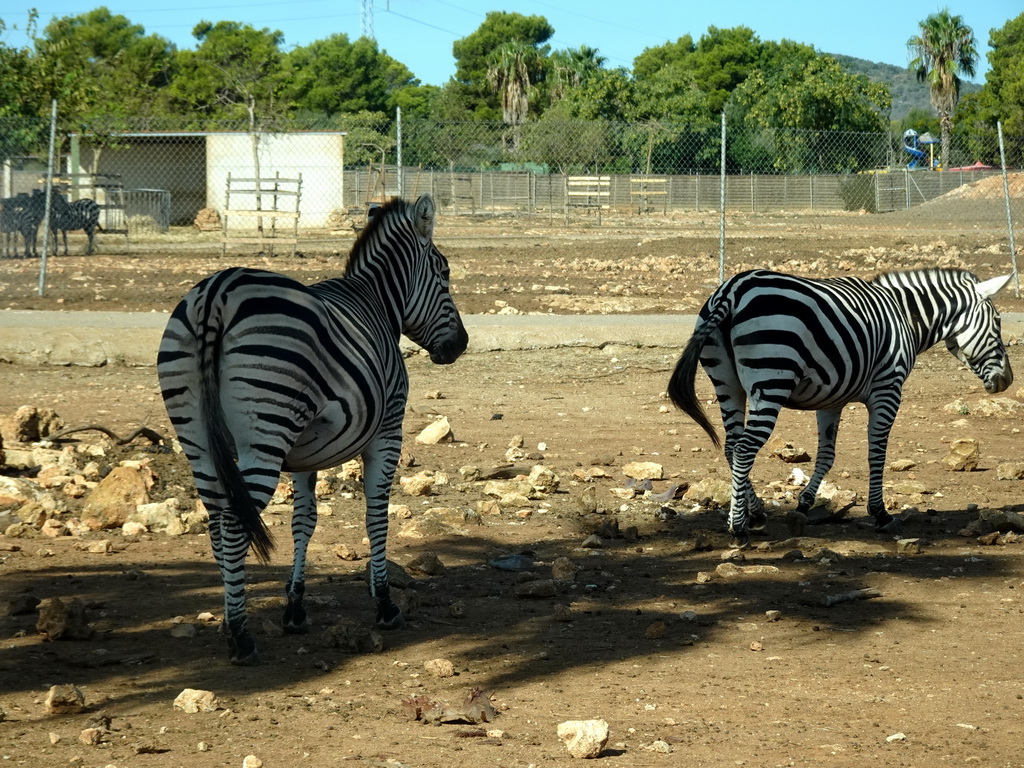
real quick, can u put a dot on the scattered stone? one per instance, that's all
(963, 455)
(908, 546)
(656, 630)
(64, 700)
(251, 761)
(662, 747)
(1010, 470)
(716, 489)
(457, 609)
(512, 563)
(439, 431)
(427, 563)
(22, 605)
(773, 615)
(63, 621)
(543, 480)
(584, 738)
(29, 424)
(420, 484)
(731, 570)
(592, 542)
(536, 588)
(783, 449)
(476, 709)
(902, 465)
(193, 700)
(352, 638)
(441, 668)
(563, 569)
(643, 470)
(114, 500)
(159, 517)
(91, 737)
(345, 553)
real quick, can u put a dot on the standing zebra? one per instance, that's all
(65, 216)
(22, 215)
(257, 366)
(770, 341)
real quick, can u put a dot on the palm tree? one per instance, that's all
(943, 50)
(571, 67)
(509, 75)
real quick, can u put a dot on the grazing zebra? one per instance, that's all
(22, 215)
(770, 341)
(65, 216)
(284, 376)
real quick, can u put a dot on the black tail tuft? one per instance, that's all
(681, 384)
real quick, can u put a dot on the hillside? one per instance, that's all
(907, 93)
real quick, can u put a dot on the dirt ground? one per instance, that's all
(681, 659)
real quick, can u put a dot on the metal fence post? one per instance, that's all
(1009, 215)
(49, 192)
(721, 213)
(398, 142)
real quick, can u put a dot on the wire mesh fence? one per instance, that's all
(151, 182)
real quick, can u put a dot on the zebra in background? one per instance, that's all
(288, 377)
(770, 341)
(22, 215)
(65, 216)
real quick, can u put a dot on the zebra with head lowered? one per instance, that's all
(83, 214)
(770, 341)
(256, 366)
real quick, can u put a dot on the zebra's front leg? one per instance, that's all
(828, 428)
(882, 409)
(303, 526)
(230, 545)
(379, 461)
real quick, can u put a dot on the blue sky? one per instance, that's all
(420, 33)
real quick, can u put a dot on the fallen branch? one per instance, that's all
(857, 594)
(150, 434)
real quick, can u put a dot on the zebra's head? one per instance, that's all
(977, 340)
(431, 318)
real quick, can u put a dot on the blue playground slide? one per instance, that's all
(918, 156)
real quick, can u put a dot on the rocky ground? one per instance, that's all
(564, 548)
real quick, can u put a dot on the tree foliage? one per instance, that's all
(943, 49)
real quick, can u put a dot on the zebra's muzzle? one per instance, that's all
(448, 351)
(1001, 380)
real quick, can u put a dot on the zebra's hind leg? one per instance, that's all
(379, 461)
(230, 546)
(761, 418)
(303, 525)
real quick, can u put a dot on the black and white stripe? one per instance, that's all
(83, 214)
(284, 376)
(22, 215)
(770, 341)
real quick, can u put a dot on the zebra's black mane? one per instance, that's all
(901, 275)
(393, 207)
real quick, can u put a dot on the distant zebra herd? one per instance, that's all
(24, 213)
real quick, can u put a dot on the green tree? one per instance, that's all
(474, 57)
(943, 49)
(334, 76)
(813, 94)
(571, 68)
(22, 108)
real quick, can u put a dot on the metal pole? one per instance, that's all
(1009, 216)
(398, 138)
(49, 190)
(721, 210)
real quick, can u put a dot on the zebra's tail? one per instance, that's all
(681, 385)
(220, 442)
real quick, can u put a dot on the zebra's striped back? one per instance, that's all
(770, 341)
(257, 366)
(83, 214)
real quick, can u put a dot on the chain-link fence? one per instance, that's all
(298, 186)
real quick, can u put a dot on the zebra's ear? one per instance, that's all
(423, 216)
(990, 288)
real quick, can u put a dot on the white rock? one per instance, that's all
(643, 470)
(192, 700)
(584, 738)
(439, 431)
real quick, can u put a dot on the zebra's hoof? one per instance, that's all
(251, 659)
(891, 528)
(741, 541)
(758, 524)
(389, 617)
